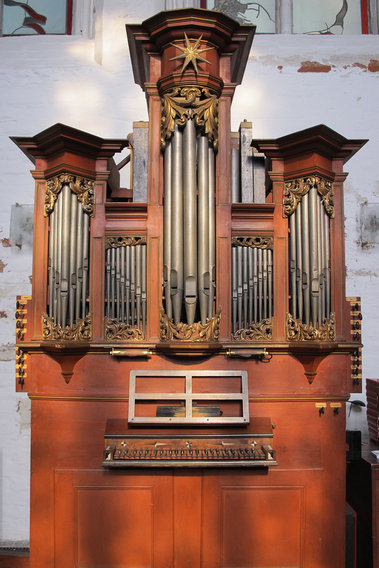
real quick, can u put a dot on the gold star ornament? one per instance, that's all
(191, 53)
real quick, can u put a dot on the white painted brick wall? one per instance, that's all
(44, 80)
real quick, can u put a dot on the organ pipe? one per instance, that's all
(125, 281)
(68, 259)
(190, 220)
(189, 225)
(252, 285)
(309, 260)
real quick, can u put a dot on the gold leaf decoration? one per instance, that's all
(119, 331)
(255, 241)
(84, 189)
(260, 331)
(80, 331)
(191, 53)
(112, 241)
(210, 331)
(295, 189)
(183, 103)
(299, 331)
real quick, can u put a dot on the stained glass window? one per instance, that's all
(321, 17)
(327, 17)
(37, 17)
(260, 14)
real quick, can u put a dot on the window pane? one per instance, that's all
(327, 17)
(34, 17)
(260, 14)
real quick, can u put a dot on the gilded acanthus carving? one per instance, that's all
(260, 331)
(183, 103)
(80, 331)
(123, 241)
(210, 331)
(255, 241)
(299, 331)
(118, 331)
(295, 189)
(83, 188)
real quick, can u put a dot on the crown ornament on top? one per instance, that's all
(191, 53)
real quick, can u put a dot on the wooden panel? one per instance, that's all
(262, 520)
(112, 520)
(254, 531)
(124, 538)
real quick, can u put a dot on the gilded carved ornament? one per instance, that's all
(295, 189)
(80, 331)
(123, 241)
(84, 189)
(299, 331)
(118, 331)
(255, 241)
(191, 52)
(260, 331)
(183, 103)
(210, 331)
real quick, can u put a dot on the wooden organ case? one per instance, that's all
(188, 348)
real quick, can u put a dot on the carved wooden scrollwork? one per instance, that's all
(260, 331)
(183, 103)
(295, 189)
(298, 331)
(81, 331)
(119, 331)
(123, 241)
(210, 331)
(83, 188)
(255, 241)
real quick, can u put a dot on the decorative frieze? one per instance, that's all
(83, 188)
(298, 331)
(183, 103)
(80, 331)
(260, 331)
(123, 241)
(119, 331)
(295, 189)
(254, 241)
(209, 332)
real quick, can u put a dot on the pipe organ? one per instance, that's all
(188, 348)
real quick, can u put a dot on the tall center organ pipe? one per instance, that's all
(189, 225)
(68, 259)
(310, 260)
(190, 220)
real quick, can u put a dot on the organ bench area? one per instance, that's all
(188, 348)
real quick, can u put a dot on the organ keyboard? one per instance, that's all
(190, 450)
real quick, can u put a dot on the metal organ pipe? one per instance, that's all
(252, 286)
(189, 225)
(310, 260)
(212, 229)
(68, 259)
(176, 272)
(167, 167)
(190, 220)
(73, 236)
(126, 292)
(203, 228)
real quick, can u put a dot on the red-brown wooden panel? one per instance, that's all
(262, 520)
(254, 531)
(118, 521)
